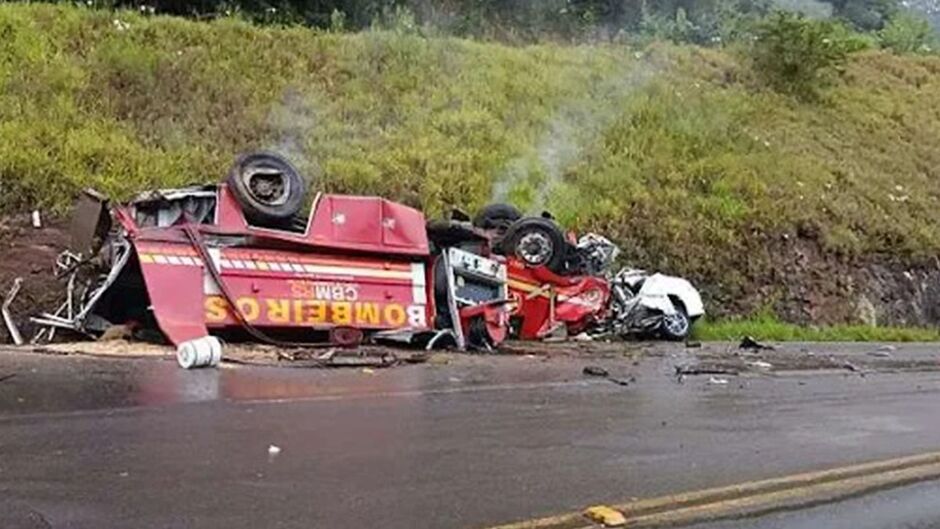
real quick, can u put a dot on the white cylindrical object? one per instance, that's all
(201, 352)
(37, 220)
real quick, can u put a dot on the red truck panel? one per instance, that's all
(341, 222)
(281, 289)
(368, 224)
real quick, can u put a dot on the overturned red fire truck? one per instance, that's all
(247, 258)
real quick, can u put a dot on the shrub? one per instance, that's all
(908, 33)
(800, 56)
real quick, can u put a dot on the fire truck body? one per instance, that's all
(193, 261)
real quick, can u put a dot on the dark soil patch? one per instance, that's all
(801, 282)
(30, 253)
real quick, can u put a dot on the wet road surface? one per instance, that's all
(912, 507)
(95, 443)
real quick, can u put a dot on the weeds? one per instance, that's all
(772, 330)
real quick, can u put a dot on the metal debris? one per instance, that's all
(335, 357)
(622, 381)
(749, 342)
(7, 318)
(595, 371)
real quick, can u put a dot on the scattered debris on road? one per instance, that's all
(600, 372)
(607, 516)
(852, 367)
(694, 370)
(760, 364)
(201, 352)
(750, 343)
(623, 381)
(718, 381)
(595, 371)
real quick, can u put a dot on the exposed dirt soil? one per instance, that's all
(806, 285)
(30, 253)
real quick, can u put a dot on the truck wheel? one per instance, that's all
(536, 242)
(496, 217)
(270, 190)
(478, 336)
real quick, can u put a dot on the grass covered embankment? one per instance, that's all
(678, 153)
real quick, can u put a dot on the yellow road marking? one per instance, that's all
(758, 497)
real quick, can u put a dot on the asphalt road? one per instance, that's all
(103, 443)
(912, 507)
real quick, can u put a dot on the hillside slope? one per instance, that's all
(818, 212)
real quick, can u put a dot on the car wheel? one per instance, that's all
(536, 242)
(268, 188)
(676, 326)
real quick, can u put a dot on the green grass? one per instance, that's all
(678, 153)
(770, 329)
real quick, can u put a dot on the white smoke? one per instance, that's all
(294, 122)
(576, 124)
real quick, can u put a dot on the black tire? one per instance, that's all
(533, 235)
(496, 217)
(443, 319)
(676, 327)
(478, 336)
(270, 190)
